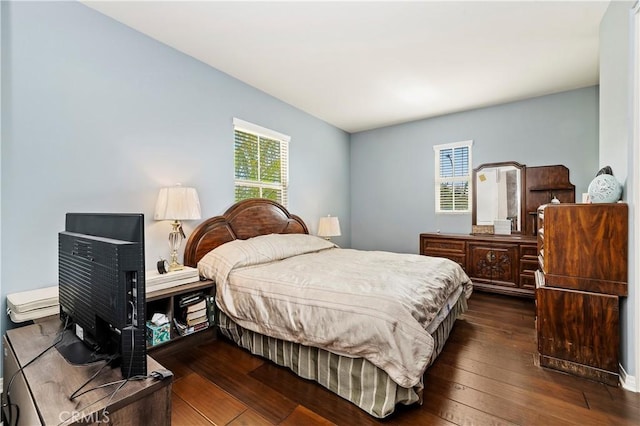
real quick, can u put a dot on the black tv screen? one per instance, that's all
(101, 266)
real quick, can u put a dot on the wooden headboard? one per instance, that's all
(245, 219)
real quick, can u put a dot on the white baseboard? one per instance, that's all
(628, 382)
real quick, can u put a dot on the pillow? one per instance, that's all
(218, 263)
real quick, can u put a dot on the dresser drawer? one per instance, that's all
(528, 251)
(528, 265)
(437, 245)
(528, 280)
(460, 259)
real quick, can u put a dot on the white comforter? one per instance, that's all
(370, 304)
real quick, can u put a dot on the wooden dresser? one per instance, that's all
(497, 263)
(582, 254)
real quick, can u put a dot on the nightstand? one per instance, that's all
(167, 301)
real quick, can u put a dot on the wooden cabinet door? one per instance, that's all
(493, 263)
(579, 327)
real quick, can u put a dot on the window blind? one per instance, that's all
(261, 163)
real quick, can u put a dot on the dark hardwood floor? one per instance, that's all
(486, 375)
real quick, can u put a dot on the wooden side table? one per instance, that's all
(166, 300)
(43, 388)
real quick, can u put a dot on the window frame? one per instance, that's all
(454, 179)
(263, 132)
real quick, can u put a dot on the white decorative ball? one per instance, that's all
(604, 189)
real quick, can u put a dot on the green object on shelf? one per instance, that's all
(157, 334)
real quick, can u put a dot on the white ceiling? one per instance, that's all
(362, 65)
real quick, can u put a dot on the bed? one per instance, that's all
(363, 324)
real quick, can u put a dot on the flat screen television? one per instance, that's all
(101, 285)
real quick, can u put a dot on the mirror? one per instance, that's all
(498, 190)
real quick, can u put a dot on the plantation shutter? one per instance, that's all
(453, 177)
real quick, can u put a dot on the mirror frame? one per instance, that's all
(523, 186)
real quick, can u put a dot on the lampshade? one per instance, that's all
(177, 203)
(329, 227)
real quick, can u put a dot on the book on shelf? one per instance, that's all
(185, 330)
(190, 299)
(201, 326)
(192, 316)
(196, 321)
(197, 306)
(181, 328)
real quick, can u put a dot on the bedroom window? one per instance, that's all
(453, 177)
(261, 159)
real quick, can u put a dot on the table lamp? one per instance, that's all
(328, 227)
(177, 203)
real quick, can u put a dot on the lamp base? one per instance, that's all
(175, 239)
(176, 267)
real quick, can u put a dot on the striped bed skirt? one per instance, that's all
(354, 379)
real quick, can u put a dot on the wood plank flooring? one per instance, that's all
(486, 375)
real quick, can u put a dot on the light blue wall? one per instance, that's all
(616, 149)
(97, 117)
(615, 88)
(2, 62)
(392, 168)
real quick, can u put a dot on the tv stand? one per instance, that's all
(43, 388)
